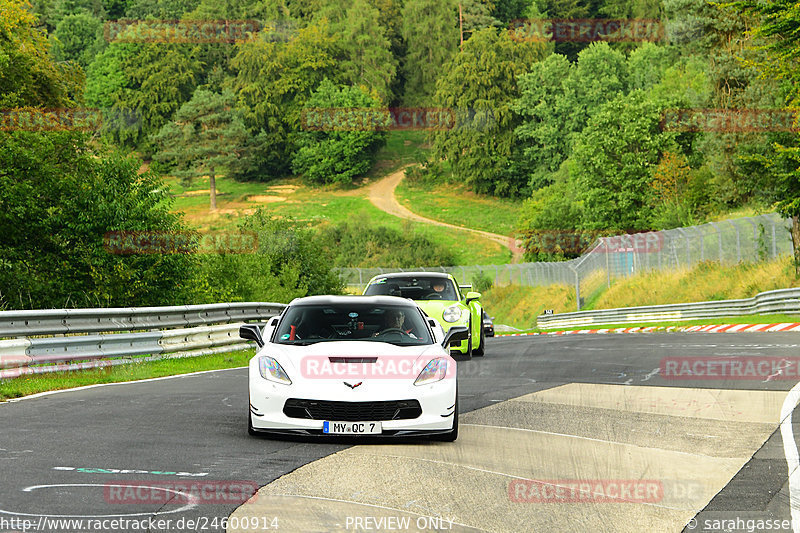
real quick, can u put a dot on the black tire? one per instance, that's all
(451, 435)
(469, 341)
(480, 350)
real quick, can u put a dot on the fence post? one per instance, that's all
(577, 287)
(688, 250)
(774, 243)
(719, 238)
(738, 243)
(608, 265)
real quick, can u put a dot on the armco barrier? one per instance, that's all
(85, 338)
(779, 301)
(62, 321)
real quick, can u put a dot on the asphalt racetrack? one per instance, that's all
(557, 433)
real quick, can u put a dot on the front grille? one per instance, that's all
(352, 411)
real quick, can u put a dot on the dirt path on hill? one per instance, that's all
(381, 194)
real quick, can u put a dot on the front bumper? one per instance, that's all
(267, 401)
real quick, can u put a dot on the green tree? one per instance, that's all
(480, 86)
(613, 161)
(368, 51)
(273, 81)
(780, 28)
(545, 112)
(28, 74)
(159, 9)
(78, 38)
(430, 31)
(508, 10)
(556, 100)
(600, 75)
(475, 15)
(364, 51)
(204, 137)
(59, 198)
(340, 150)
(158, 80)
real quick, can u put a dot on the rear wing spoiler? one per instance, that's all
(465, 287)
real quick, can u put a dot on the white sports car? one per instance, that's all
(353, 365)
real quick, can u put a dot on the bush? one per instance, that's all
(337, 153)
(357, 243)
(481, 282)
(58, 199)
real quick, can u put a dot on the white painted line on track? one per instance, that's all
(792, 455)
(512, 476)
(192, 501)
(48, 393)
(578, 437)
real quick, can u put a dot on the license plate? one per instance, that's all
(351, 428)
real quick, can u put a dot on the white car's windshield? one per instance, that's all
(396, 324)
(416, 288)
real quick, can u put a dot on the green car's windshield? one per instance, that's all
(402, 325)
(416, 288)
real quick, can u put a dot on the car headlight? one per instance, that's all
(452, 313)
(434, 371)
(272, 370)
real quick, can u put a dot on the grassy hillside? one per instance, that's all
(456, 204)
(518, 306)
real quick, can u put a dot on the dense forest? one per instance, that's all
(583, 129)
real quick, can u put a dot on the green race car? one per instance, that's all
(441, 298)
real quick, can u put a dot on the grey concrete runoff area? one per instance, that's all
(557, 433)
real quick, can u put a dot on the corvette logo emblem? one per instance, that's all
(353, 386)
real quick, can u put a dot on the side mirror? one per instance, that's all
(251, 332)
(455, 334)
(472, 296)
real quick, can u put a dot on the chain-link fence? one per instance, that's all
(730, 241)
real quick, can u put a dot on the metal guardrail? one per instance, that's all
(87, 335)
(779, 301)
(63, 321)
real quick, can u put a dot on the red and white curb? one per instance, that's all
(745, 328)
(714, 328)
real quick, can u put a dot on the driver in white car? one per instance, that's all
(395, 318)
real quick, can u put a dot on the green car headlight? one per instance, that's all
(452, 313)
(272, 370)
